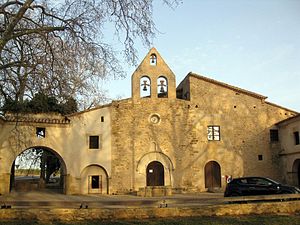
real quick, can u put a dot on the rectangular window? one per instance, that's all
(41, 132)
(260, 157)
(213, 133)
(297, 139)
(94, 142)
(274, 137)
(102, 119)
(95, 182)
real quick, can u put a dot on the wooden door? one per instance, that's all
(212, 175)
(155, 174)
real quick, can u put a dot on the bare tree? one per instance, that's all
(58, 47)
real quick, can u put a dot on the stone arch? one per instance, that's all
(296, 173)
(212, 174)
(145, 86)
(63, 167)
(160, 157)
(94, 180)
(162, 87)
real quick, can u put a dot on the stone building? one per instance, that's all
(164, 139)
(288, 138)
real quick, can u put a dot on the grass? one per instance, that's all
(243, 220)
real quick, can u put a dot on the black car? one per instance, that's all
(257, 186)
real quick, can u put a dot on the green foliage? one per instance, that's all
(70, 106)
(41, 103)
(27, 172)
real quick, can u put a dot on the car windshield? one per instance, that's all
(273, 181)
(254, 180)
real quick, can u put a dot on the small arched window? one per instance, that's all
(153, 60)
(162, 87)
(145, 87)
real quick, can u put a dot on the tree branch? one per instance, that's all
(6, 36)
(40, 30)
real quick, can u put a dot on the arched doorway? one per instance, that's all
(94, 180)
(38, 168)
(155, 174)
(212, 175)
(296, 172)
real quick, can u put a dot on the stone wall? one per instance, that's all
(245, 120)
(179, 139)
(151, 212)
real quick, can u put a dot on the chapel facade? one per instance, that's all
(163, 140)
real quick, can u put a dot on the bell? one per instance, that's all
(145, 85)
(162, 90)
(153, 59)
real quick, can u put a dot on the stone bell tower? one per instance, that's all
(153, 78)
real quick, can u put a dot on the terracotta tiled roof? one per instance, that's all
(28, 119)
(240, 90)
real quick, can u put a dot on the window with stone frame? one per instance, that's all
(95, 182)
(274, 137)
(213, 133)
(297, 138)
(94, 142)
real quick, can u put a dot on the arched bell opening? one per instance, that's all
(162, 87)
(145, 87)
(153, 59)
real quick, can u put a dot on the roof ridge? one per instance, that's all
(241, 90)
(88, 110)
(287, 119)
(276, 105)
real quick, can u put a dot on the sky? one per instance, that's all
(250, 44)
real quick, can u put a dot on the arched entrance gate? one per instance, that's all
(38, 168)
